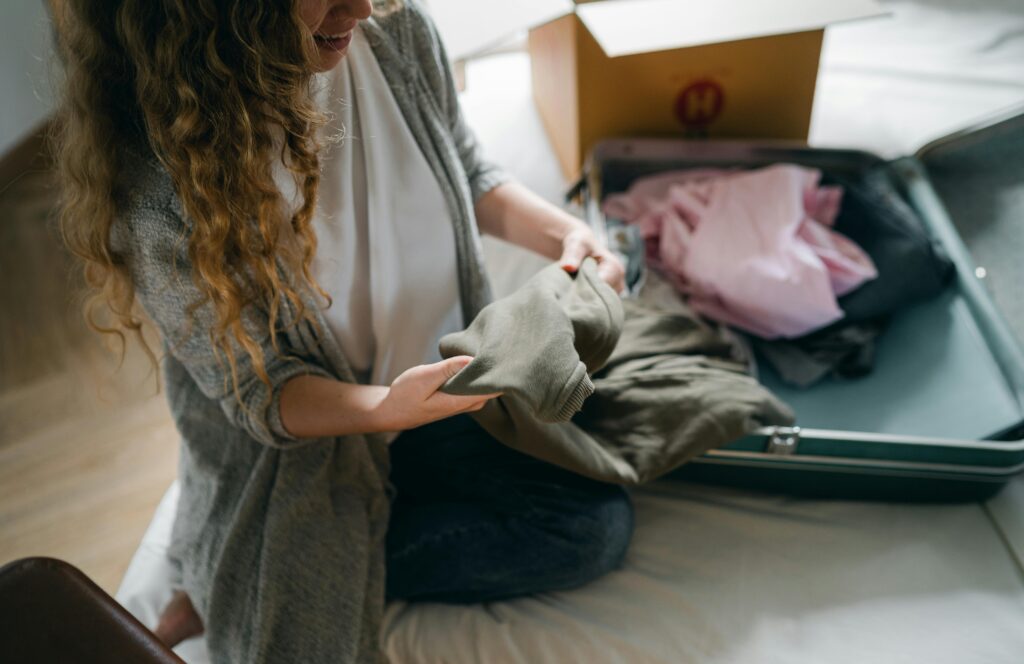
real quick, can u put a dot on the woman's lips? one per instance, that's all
(334, 42)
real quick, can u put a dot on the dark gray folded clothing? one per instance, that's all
(843, 351)
(911, 266)
(666, 385)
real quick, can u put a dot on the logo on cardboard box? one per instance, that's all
(699, 103)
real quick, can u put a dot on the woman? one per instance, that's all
(290, 192)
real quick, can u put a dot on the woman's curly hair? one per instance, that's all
(218, 90)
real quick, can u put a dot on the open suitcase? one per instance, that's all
(941, 417)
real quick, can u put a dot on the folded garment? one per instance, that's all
(753, 249)
(911, 265)
(667, 386)
(845, 350)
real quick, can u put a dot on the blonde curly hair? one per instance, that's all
(211, 87)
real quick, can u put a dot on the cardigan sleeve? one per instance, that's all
(155, 248)
(483, 175)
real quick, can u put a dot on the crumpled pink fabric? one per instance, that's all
(753, 249)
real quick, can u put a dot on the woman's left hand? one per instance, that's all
(580, 243)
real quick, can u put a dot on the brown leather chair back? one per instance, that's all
(52, 612)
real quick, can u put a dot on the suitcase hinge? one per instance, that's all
(783, 440)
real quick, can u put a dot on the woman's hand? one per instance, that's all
(315, 407)
(413, 398)
(515, 214)
(580, 243)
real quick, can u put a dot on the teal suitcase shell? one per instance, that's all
(941, 417)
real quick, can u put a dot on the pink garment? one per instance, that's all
(753, 249)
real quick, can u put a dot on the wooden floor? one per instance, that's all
(86, 449)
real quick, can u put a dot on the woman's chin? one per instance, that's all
(332, 49)
(329, 59)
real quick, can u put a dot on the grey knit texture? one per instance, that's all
(280, 541)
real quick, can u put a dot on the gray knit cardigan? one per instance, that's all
(279, 540)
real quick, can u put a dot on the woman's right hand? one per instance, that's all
(413, 398)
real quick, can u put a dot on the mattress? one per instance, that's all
(720, 576)
(717, 575)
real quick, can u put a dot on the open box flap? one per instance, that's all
(470, 26)
(629, 27)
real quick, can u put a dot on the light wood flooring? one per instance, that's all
(86, 448)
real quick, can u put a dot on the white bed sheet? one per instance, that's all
(724, 576)
(717, 575)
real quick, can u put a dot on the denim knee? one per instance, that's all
(603, 534)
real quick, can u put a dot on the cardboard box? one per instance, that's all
(721, 68)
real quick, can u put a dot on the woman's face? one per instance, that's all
(332, 23)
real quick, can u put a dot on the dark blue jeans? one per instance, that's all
(476, 521)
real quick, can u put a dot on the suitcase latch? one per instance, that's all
(783, 440)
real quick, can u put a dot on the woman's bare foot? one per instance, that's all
(179, 621)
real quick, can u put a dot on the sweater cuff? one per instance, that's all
(579, 387)
(272, 428)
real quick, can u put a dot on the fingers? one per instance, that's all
(433, 376)
(610, 269)
(578, 245)
(457, 401)
(474, 407)
(574, 250)
(453, 365)
(414, 398)
(445, 400)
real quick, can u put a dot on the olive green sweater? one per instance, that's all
(665, 386)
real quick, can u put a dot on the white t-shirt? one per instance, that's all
(386, 245)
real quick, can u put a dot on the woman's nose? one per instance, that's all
(357, 9)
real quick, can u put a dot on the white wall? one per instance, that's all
(26, 94)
